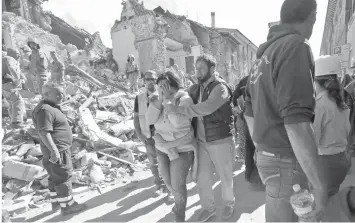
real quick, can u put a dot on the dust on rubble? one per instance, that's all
(105, 150)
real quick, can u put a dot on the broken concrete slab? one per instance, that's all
(21, 171)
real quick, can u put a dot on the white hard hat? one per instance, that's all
(328, 65)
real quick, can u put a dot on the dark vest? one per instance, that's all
(219, 124)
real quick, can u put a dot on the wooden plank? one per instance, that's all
(118, 159)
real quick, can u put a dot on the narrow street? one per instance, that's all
(133, 202)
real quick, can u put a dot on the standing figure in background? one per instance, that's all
(331, 123)
(25, 67)
(181, 75)
(11, 85)
(56, 140)
(132, 73)
(38, 64)
(57, 69)
(246, 148)
(144, 131)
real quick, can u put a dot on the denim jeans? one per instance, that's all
(174, 174)
(336, 167)
(153, 163)
(279, 174)
(221, 158)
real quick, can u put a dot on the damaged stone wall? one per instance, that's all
(143, 36)
(17, 31)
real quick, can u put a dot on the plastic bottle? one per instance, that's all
(302, 203)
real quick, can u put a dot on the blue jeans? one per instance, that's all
(279, 174)
(174, 174)
(336, 167)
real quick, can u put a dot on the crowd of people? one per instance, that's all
(293, 117)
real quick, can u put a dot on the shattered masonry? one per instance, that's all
(159, 39)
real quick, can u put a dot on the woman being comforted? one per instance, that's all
(174, 137)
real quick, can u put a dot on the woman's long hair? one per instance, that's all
(171, 77)
(333, 87)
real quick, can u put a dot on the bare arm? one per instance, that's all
(303, 143)
(218, 96)
(47, 140)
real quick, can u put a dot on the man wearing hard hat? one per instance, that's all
(38, 64)
(56, 141)
(331, 123)
(12, 80)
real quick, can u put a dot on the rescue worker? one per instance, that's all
(145, 131)
(331, 123)
(25, 67)
(132, 73)
(57, 69)
(214, 125)
(181, 75)
(38, 64)
(12, 80)
(56, 140)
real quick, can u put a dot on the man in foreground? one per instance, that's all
(214, 127)
(280, 102)
(56, 140)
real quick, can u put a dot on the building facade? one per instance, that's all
(339, 28)
(159, 39)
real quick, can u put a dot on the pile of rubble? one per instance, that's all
(99, 109)
(104, 151)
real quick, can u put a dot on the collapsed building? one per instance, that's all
(159, 39)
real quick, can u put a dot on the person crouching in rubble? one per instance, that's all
(12, 81)
(38, 64)
(132, 73)
(56, 140)
(331, 123)
(144, 131)
(57, 69)
(175, 141)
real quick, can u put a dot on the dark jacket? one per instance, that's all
(280, 89)
(219, 124)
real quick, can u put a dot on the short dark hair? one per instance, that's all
(297, 11)
(210, 60)
(172, 79)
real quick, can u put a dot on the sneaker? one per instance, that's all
(159, 191)
(55, 207)
(205, 215)
(227, 212)
(170, 198)
(75, 208)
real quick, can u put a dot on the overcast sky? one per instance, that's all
(251, 17)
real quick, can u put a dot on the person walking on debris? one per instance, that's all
(144, 131)
(38, 64)
(132, 73)
(246, 148)
(214, 126)
(331, 123)
(280, 102)
(12, 81)
(58, 69)
(25, 66)
(56, 140)
(174, 137)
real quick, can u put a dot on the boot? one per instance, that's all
(75, 208)
(55, 206)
